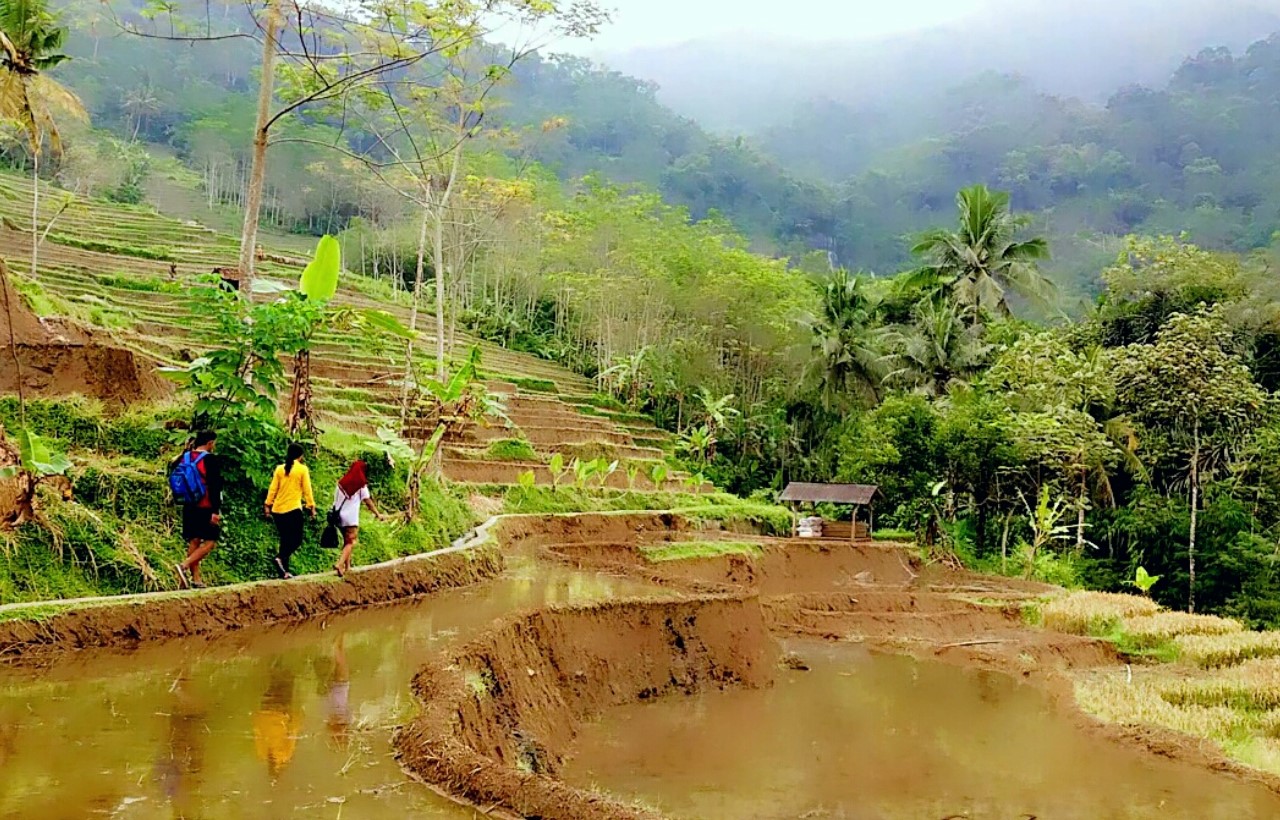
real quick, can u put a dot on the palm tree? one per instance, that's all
(978, 264)
(847, 359)
(941, 349)
(32, 41)
(139, 104)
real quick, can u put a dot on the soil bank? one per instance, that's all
(498, 715)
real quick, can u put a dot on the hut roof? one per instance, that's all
(856, 494)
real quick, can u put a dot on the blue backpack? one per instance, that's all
(186, 482)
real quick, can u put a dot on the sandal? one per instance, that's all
(338, 569)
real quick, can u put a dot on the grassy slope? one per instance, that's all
(107, 265)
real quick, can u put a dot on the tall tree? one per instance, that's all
(846, 340)
(32, 41)
(941, 349)
(983, 260)
(1191, 383)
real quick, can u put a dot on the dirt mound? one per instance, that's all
(786, 566)
(61, 359)
(499, 714)
(595, 529)
(127, 624)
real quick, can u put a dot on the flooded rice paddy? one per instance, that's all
(297, 722)
(863, 735)
(285, 722)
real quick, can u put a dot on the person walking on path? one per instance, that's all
(351, 492)
(201, 520)
(290, 490)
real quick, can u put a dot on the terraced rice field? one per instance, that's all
(126, 270)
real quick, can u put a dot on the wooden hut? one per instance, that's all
(856, 496)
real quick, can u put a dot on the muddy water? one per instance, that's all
(273, 723)
(873, 736)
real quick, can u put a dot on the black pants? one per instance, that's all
(289, 526)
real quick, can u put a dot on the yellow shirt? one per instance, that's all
(288, 492)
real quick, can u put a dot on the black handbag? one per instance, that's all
(331, 537)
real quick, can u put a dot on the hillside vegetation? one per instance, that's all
(544, 340)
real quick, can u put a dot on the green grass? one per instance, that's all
(727, 510)
(894, 535)
(534, 385)
(1156, 648)
(157, 253)
(120, 536)
(40, 301)
(147, 285)
(511, 449)
(695, 550)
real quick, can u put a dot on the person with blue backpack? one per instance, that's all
(196, 482)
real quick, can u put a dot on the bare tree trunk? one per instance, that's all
(1195, 500)
(301, 413)
(413, 317)
(1004, 544)
(253, 200)
(7, 291)
(35, 209)
(437, 260)
(1084, 489)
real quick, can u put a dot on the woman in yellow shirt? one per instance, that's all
(290, 489)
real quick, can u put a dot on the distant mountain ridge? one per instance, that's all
(1085, 49)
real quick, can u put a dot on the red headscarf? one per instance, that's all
(354, 481)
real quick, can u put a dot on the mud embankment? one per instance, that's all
(498, 715)
(32, 639)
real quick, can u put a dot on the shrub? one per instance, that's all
(511, 449)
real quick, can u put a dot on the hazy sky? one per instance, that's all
(665, 22)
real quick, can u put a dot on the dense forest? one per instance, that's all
(574, 217)
(1195, 154)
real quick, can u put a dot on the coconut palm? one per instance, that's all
(847, 359)
(32, 44)
(941, 349)
(981, 262)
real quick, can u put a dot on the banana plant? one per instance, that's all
(36, 462)
(1144, 580)
(658, 474)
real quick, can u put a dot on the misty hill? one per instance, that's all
(1084, 49)
(1194, 151)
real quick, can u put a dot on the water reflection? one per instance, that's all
(294, 721)
(181, 759)
(275, 725)
(339, 697)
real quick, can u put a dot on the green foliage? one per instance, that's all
(158, 253)
(698, 550)
(511, 449)
(1144, 581)
(319, 281)
(119, 534)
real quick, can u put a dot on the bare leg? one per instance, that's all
(349, 536)
(195, 557)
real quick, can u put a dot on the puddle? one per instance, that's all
(284, 722)
(870, 736)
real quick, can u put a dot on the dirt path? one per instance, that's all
(41, 634)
